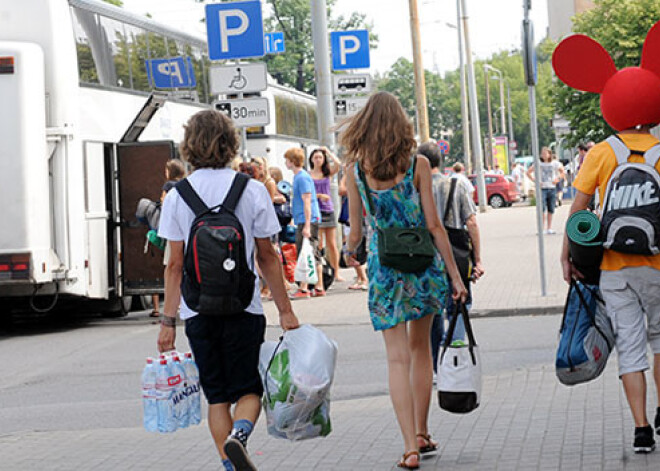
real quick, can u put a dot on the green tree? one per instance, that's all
(620, 26)
(444, 99)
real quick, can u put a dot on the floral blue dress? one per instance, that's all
(394, 296)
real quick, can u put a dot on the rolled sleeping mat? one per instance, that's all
(585, 244)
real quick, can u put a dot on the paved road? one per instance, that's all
(69, 399)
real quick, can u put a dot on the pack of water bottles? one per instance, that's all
(170, 393)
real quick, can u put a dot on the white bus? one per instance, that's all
(84, 135)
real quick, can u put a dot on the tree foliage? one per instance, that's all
(295, 67)
(444, 99)
(620, 26)
(118, 3)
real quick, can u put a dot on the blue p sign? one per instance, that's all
(350, 49)
(235, 30)
(176, 72)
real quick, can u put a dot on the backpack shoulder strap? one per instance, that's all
(191, 197)
(652, 155)
(620, 149)
(450, 198)
(237, 186)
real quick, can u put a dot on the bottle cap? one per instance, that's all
(163, 361)
(175, 358)
(150, 360)
(188, 354)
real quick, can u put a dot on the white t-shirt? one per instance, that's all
(549, 173)
(466, 181)
(255, 211)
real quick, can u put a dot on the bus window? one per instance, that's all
(117, 47)
(94, 55)
(136, 39)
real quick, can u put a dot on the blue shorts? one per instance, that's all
(549, 197)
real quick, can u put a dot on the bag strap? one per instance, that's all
(237, 187)
(370, 203)
(450, 198)
(460, 310)
(268, 369)
(191, 198)
(622, 151)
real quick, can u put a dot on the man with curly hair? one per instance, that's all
(226, 347)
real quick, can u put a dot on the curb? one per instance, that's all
(525, 311)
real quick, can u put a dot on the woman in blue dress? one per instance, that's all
(379, 141)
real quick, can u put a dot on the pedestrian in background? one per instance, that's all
(459, 174)
(174, 171)
(562, 179)
(323, 166)
(551, 173)
(462, 214)
(379, 141)
(361, 280)
(306, 215)
(225, 347)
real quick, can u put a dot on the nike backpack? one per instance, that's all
(631, 208)
(217, 278)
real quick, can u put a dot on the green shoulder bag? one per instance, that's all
(407, 249)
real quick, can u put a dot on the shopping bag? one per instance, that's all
(459, 369)
(297, 373)
(289, 260)
(306, 267)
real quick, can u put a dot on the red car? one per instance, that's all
(500, 190)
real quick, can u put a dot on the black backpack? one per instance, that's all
(631, 207)
(217, 278)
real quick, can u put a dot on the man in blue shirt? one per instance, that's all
(306, 215)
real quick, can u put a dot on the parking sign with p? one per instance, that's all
(235, 30)
(350, 49)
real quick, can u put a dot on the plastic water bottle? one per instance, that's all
(150, 418)
(164, 390)
(180, 400)
(192, 373)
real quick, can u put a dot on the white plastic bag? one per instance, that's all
(306, 267)
(297, 373)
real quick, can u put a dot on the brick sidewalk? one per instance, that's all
(527, 421)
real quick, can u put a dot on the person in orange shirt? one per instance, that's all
(629, 282)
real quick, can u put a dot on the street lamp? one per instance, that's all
(501, 79)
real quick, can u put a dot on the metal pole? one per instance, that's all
(474, 113)
(420, 84)
(511, 136)
(537, 170)
(489, 146)
(244, 151)
(464, 99)
(502, 109)
(324, 99)
(324, 113)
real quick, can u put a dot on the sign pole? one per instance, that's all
(420, 84)
(464, 98)
(324, 100)
(474, 113)
(530, 75)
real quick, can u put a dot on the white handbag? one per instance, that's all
(459, 369)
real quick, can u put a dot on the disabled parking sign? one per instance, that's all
(235, 30)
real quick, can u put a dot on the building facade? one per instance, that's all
(560, 14)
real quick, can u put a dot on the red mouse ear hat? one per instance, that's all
(583, 64)
(629, 97)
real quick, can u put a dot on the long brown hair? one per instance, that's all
(380, 137)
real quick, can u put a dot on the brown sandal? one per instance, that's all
(429, 445)
(403, 462)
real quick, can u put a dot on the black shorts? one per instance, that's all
(226, 351)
